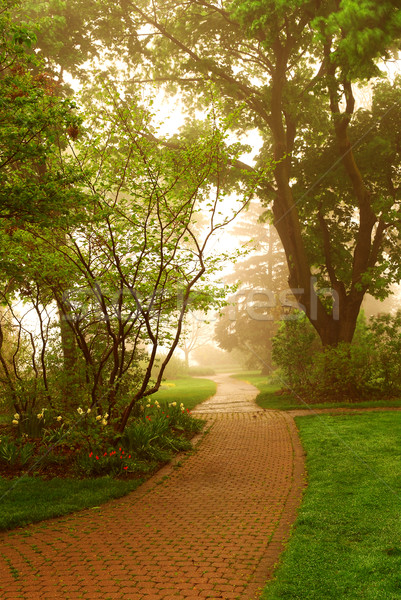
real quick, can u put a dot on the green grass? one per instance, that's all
(347, 540)
(32, 499)
(188, 390)
(268, 397)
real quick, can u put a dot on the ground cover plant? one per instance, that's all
(346, 541)
(273, 395)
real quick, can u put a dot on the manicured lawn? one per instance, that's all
(268, 397)
(347, 540)
(188, 390)
(32, 499)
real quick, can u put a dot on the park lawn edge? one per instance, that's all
(269, 398)
(56, 497)
(177, 390)
(345, 542)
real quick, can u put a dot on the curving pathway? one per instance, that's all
(211, 528)
(232, 396)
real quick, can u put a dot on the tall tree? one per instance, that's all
(197, 333)
(35, 125)
(292, 65)
(126, 274)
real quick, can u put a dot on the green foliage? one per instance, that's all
(330, 209)
(146, 439)
(294, 347)
(364, 31)
(15, 453)
(174, 369)
(35, 125)
(386, 337)
(366, 369)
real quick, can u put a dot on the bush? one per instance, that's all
(386, 338)
(342, 373)
(294, 348)
(175, 368)
(367, 367)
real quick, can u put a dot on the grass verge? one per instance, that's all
(188, 390)
(32, 499)
(271, 399)
(347, 539)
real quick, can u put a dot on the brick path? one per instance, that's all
(210, 528)
(232, 395)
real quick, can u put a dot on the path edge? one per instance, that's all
(276, 545)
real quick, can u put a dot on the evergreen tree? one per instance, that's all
(249, 322)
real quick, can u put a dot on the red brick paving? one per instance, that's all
(214, 528)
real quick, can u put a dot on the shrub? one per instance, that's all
(367, 367)
(340, 374)
(386, 334)
(174, 369)
(294, 348)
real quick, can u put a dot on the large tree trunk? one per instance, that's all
(337, 325)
